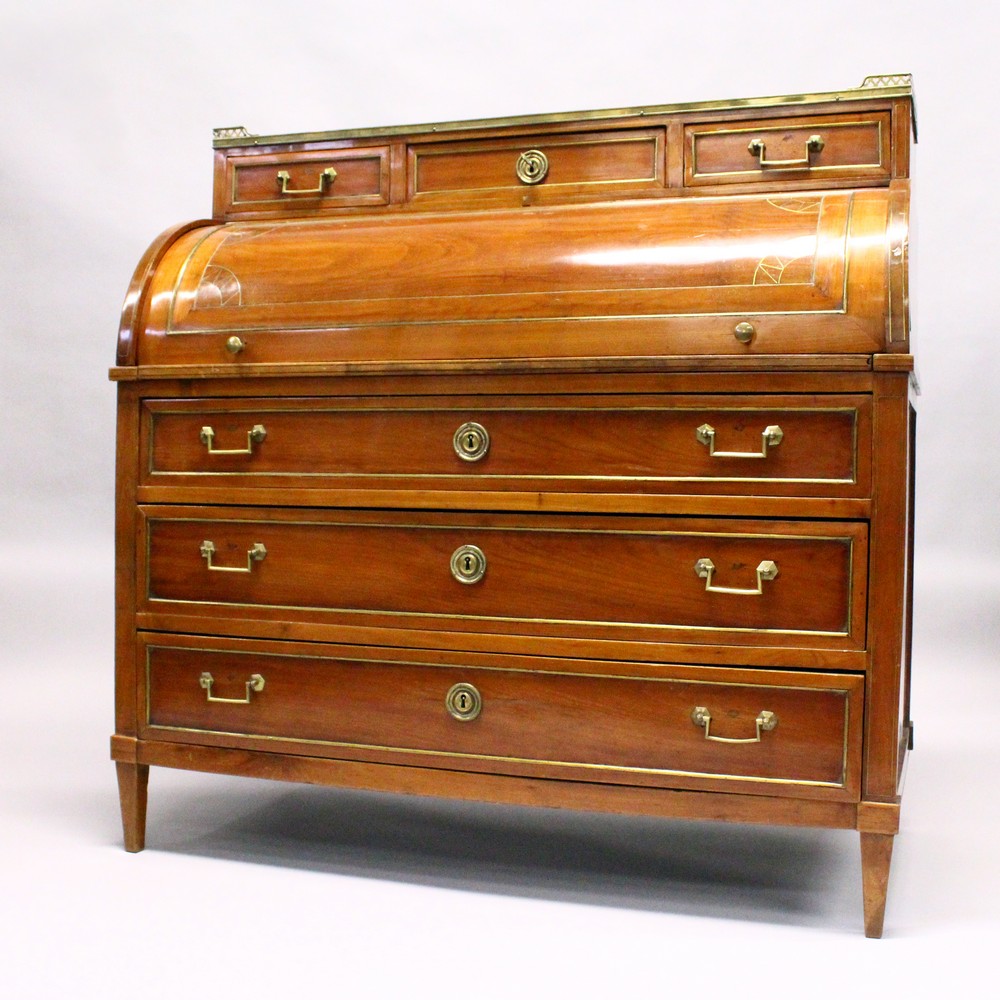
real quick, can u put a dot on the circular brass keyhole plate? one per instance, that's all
(471, 441)
(468, 564)
(532, 166)
(464, 702)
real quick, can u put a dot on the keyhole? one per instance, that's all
(463, 702)
(470, 442)
(468, 566)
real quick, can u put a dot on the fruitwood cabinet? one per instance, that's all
(563, 461)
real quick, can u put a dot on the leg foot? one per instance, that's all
(876, 854)
(133, 780)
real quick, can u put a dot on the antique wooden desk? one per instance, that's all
(557, 460)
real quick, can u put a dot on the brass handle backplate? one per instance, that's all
(468, 564)
(254, 554)
(327, 177)
(464, 702)
(814, 144)
(471, 442)
(766, 721)
(532, 166)
(767, 570)
(255, 435)
(771, 437)
(256, 683)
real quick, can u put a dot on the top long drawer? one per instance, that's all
(754, 444)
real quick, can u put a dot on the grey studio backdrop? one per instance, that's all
(253, 889)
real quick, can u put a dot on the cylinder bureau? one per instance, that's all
(561, 461)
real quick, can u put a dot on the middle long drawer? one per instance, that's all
(665, 579)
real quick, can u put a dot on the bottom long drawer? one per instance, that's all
(769, 731)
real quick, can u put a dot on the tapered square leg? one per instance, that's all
(133, 781)
(876, 855)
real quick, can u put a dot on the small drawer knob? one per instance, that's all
(234, 345)
(744, 332)
(532, 166)
(471, 441)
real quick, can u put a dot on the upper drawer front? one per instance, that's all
(506, 171)
(555, 718)
(313, 181)
(817, 149)
(662, 579)
(776, 445)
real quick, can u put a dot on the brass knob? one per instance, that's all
(464, 702)
(234, 345)
(532, 166)
(744, 332)
(468, 564)
(471, 441)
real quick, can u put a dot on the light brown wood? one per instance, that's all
(133, 781)
(876, 855)
(292, 377)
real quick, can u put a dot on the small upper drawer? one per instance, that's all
(317, 181)
(819, 147)
(505, 171)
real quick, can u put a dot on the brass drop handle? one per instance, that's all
(766, 721)
(767, 570)
(328, 176)
(256, 683)
(254, 554)
(814, 144)
(255, 435)
(771, 437)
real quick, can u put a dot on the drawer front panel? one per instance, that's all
(780, 445)
(538, 165)
(814, 148)
(570, 720)
(326, 179)
(776, 583)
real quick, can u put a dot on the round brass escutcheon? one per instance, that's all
(234, 345)
(464, 702)
(468, 564)
(744, 332)
(471, 441)
(532, 166)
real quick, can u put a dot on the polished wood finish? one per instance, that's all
(292, 377)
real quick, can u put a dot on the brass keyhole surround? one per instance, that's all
(464, 702)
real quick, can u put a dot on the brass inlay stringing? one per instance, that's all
(814, 144)
(464, 702)
(326, 178)
(532, 166)
(766, 721)
(256, 683)
(471, 441)
(767, 570)
(255, 435)
(254, 554)
(771, 437)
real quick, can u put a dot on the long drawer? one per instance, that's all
(664, 579)
(774, 445)
(666, 725)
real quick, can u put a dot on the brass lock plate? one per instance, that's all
(464, 702)
(468, 564)
(471, 441)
